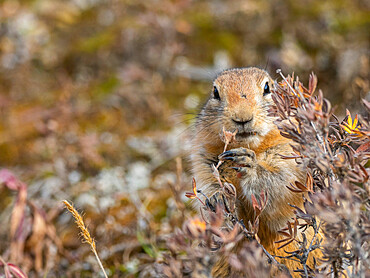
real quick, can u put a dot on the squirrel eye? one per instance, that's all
(216, 94)
(266, 90)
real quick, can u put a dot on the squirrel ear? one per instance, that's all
(266, 89)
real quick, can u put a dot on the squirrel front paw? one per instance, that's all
(222, 200)
(244, 159)
(214, 201)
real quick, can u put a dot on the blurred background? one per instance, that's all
(96, 99)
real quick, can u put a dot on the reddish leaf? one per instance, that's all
(228, 136)
(309, 182)
(312, 83)
(193, 194)
(10, 269)
(367, 103)
(193, 183)
(290, 241)
(229, 189)
(190, 195)
(295, 228)
(292, 156)
(36, 240)
(255, 202)
(293, 189)
(16, 271)
(283, 240)
(284, 233)
(290, 228)
(10, 180)
(263, 199)
(18, 231)
(364, 147)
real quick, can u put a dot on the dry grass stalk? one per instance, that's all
(84, 233)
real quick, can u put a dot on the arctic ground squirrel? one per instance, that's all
(239, 102)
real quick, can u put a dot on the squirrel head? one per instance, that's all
(239, 101)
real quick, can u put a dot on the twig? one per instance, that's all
(308, 250)
(229, 137)
(288, 257)
(269, 256)
(274, 261)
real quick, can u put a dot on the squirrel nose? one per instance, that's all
(242, 121)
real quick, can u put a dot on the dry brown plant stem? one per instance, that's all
(84, 233)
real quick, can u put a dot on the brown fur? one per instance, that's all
(241, 92)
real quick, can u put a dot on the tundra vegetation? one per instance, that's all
(97, 101)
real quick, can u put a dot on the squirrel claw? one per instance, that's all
(242, 170)
(219, 199)
(228, 158)
(234, 154)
